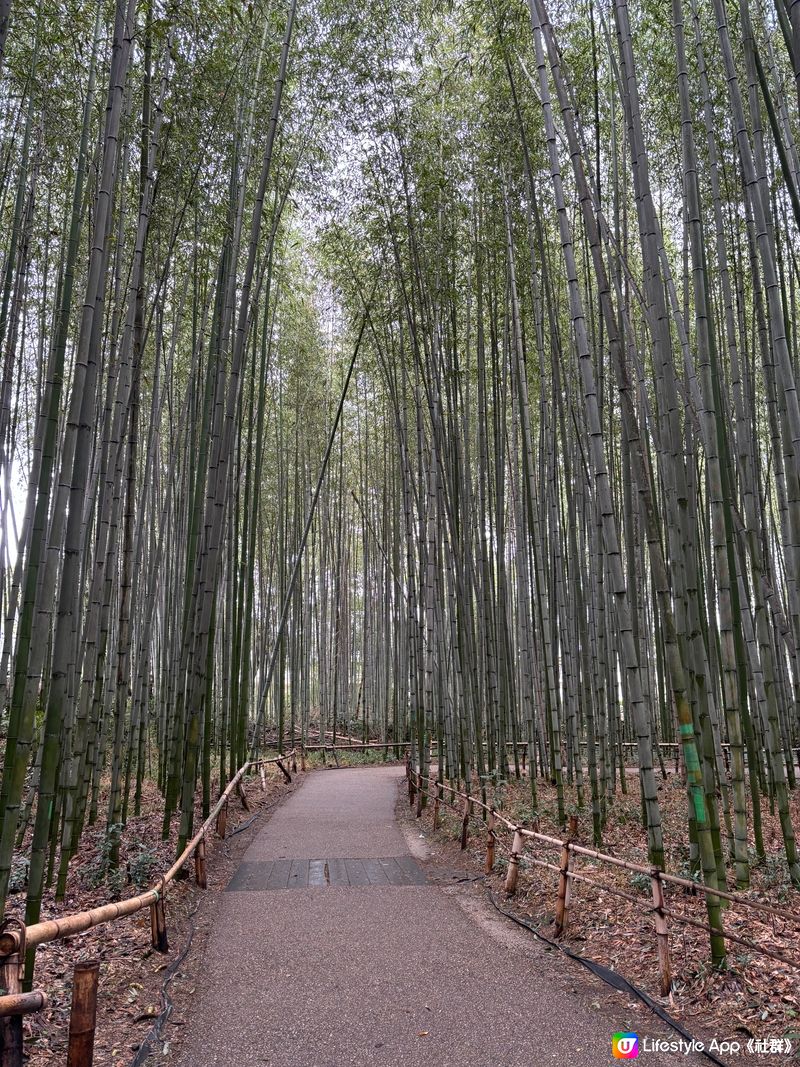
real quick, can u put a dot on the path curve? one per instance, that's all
(316, 962)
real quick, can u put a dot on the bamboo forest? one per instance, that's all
(415, 383)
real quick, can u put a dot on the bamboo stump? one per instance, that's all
(465, 824)
(83, 1015)
(200, 875)
(437, 802)
(222, 820)
(242, 795)
(662, 933)
(564, 880)
(490, 843)
(513, 864)
(158, 924)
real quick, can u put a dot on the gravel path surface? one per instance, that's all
(380, 975)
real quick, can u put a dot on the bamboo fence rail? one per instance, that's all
(356, 747)
(22, 1003)
(53, 929)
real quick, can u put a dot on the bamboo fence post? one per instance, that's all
(465, 824)
(200, 874)
(662, 932)
(222, 819)
(242, 795)
(490, 840)
(263, 775)
(294, 761)
(158, 921)
(83, 1016)
(564, 881)
(436, 803)
(513, 864)
(12, 955)
(410, 787)
(303, 758)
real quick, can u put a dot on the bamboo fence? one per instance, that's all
(469, 807)
(16, 939)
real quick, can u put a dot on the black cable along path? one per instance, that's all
(607, 975)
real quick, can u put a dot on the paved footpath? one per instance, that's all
(329, 950)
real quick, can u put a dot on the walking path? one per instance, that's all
(329, 950)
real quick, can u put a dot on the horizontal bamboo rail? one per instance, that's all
(22, 1003)
(356, 747)
(569, 849)
(68, 925)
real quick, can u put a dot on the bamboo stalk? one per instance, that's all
(200, 872)
(158, 925)
(465, 824)
(490, 844)
(241, 793)
(283, 771)
(564, 882)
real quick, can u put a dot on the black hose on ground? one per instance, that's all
(147, 1047)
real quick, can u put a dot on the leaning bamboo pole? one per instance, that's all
(358, 747)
